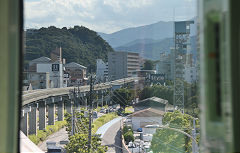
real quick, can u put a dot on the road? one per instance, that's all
(58, 136)
(61, 135)
(112, 138)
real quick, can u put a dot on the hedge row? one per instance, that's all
(102, 120)
(43, 134)
(128, 134)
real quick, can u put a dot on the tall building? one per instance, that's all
(102, 70)
(190, 74)
(164, 66)
(122, 64)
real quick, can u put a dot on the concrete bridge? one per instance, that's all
(46, 102)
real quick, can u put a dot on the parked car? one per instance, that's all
(139, 130)
(102, 110)
(95, 114)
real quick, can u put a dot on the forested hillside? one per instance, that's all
(79, 44)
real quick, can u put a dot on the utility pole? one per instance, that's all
(102, 98)
(73, 113)
(90, 115)
(194, 145)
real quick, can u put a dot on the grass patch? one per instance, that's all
(97, 109)
(50, 129)
(102, 120)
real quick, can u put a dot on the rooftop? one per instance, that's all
(150, 112)
(42, 59)
(156, 99)
(73, 64)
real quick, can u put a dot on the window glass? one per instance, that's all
(114, 76)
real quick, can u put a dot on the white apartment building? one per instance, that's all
(102, 70)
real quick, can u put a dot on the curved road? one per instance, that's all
(58, 136)
(111, 135)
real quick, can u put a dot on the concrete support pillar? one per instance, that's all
(51, 114)
(42, 115)
(69, 106)
(24, 123)
(33, 120)
(60, 111)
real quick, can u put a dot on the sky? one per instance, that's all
(106, 16)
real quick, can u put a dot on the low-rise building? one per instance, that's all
(153, 102)
(54, 67)
(35, 80)
(33, 63)
(145, 117)
(77, 73)
(55, 71)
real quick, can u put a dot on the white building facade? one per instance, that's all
(145, 117)
(102, 70)
(55, 71)
(190, 74)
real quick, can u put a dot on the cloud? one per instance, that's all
(105, 15)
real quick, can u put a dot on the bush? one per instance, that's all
(34, 139)
(128, 136)
(126, 129)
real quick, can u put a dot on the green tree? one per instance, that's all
(79, 44)
(148, 65)
(167, 140)
(78, 143)
(160, 91)
(81, 122)
(123, 96)
(128, 137)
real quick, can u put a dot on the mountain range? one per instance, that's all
(155, 31)
(148, 40)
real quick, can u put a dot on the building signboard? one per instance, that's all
(55, 67)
